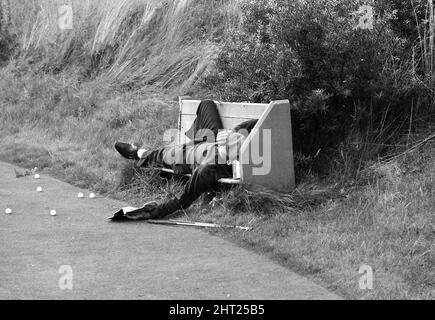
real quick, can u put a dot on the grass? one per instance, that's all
(126, 43)
(71, 94)
(75, 126)
(387, 224)
(324, 229)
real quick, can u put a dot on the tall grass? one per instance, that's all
(5, 16)
(126, 42)
(427, 39)
(423, 54)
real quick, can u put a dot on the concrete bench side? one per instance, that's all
(266, 156)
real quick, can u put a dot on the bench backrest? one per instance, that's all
(274, 117)
(231, 114)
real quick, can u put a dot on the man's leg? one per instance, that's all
(207, 117)
(154, 159)
(204, 179)
(168, 157)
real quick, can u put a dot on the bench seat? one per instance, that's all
(223, 180)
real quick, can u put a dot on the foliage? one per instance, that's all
(343, 81)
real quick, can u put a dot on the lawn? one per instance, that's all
(326, 229)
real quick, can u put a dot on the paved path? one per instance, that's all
(122, 260)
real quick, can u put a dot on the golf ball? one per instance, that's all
(8, 210)
(92, 195)
(80, 195)
(53, 212)
(37, 176)
(38, 189)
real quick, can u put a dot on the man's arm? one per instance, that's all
(246, 125)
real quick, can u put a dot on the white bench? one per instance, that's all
(274, 119)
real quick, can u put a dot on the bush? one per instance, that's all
(344, 83)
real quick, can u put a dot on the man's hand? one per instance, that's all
(223, 137)
(229, 143)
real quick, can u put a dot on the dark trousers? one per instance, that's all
(204, 177)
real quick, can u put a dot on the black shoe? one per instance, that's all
(118, 216)
(148, 211)
(127, 150)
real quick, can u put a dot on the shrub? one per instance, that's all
(343, 82)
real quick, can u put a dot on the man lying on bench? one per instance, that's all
(206, 158)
